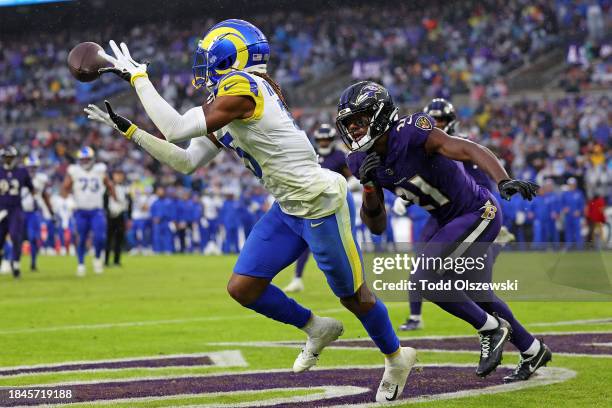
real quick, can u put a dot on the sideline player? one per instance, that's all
(418, 162)
(87, 182)
(334, 159)
(13, 179)
(34, 204)
(248, 114)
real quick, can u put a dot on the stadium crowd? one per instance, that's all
(564, 144)
(415, 53)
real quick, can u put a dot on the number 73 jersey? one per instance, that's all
(278, 152)
(432, 181)
(88, 186)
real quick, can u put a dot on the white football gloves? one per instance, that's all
(110, 118)
(123, 63)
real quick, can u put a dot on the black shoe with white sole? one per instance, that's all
(492, 346)
(529, 364)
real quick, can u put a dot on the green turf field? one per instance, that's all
(177, 305)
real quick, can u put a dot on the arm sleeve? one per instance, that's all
(201, 151)
(174, 126)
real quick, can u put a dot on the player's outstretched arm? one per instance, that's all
(196, 122)
(174, 126)
(465, 150)
(200, 152)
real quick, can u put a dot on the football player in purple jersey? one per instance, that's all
(13, 179)
(420, 163)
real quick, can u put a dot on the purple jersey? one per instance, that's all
(335, 161)
(436, 183)
(11, 183)
(481, 178)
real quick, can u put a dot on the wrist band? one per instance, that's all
(138, 75)
(369, 188)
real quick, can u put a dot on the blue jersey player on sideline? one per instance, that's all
(87, 181)
(331, 158)
(13, 179)
(247, 113)
(418, 162)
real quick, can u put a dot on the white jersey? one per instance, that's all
(88, 186)
(278, 152)
(142, 207)
(31, 202)
(63, 208)
(211, 206)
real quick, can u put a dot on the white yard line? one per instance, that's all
(606, 320)
(97, 326)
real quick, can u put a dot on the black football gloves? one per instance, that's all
(527, 189)
(367, 170)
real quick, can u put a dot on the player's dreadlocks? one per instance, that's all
(275, 86)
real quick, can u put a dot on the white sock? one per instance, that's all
(533, 349)
(415, 317)
(490, 324)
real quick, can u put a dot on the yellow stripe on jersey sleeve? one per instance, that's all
(242, 84)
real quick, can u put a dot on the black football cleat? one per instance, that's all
(16, 273)
(411, 324)
(492, 346)
(529, 364)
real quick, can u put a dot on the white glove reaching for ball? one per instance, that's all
(123, 63)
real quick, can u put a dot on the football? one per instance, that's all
(84, 61)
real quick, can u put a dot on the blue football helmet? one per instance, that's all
(444, 113)
(85, 156)
(31, 160)
(231, 45)
(9, 157)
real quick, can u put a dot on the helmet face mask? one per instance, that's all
(368, 107)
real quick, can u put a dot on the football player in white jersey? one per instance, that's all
(87, 181)
(247, 113)
(34, 205)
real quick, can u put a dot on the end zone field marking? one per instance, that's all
(544, 376)
(225, 358)
(338, 345)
